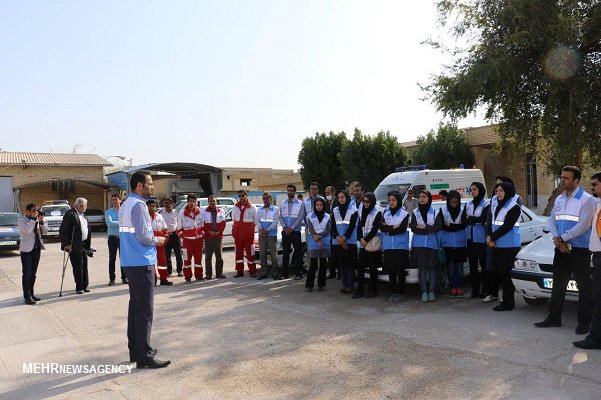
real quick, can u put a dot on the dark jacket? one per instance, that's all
(71, 228)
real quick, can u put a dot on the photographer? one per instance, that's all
(31, 227)
(75, 239)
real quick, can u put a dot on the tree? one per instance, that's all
(369, 159)
(446, 148)
(534, 66)
(319, 161)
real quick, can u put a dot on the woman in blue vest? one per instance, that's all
(476, 212)
(424, 245)
(504, 240)
(369, 225)
(344, 241)
(395, 244)
(452, 240)
(318, 224)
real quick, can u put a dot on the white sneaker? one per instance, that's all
(489, 298)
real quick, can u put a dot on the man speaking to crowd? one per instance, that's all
(138, 257)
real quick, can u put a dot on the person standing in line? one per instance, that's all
(191, 223)
(424, 245)
(318, 244)
(267, 225)
(369, 225)
(31, 228)
(593, 340)
(243, 231)
(357, 191)
(395, 245)
(331, 203)
(159, 228)
(112, 222)
(174, 243)
(291, 218)
(504, 240)
(214, 225)
(138, 256)
(452, 240)
(443, 194)
(476, 212)
(76, 240)
(570, 225)
(331, 199)
(410, 202)
(344, 241)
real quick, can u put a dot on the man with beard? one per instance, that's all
(291, 217)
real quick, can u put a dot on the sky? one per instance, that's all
(226, 83)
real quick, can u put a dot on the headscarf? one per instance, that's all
(481, 193)
(424, 208)
(342, 208)
(454, 211)
(399, 201)
(372, 205)
(509, 190)
(319, 214)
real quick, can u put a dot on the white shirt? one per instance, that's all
(171, 219)
(84, 227)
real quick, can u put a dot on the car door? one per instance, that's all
(527, 228)
(228, 239)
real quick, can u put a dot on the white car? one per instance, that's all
(53, 217)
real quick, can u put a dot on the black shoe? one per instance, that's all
(261, 277)
(200, 279)
(588, 344)
(188, 280)
(309, 289)
(221, 276)
(152, 363)
(180, 274)
(501, 307)
(208, 278)
(79, 291)
(370, 295)
(277, 278)
(86, 290)
(284, 276)
(166, 283)
(320, 288)
(332, 276)
(357, 295)
(239, 275)
(36, 298)
(581, 329)
(30, 301)
(548, 322)
(298, 277)
(124, 281)
(111, 282)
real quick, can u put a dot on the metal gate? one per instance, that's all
(6, 194)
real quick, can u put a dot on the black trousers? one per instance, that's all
(322, 263)
(504, 281)
(335, 258)
(174, 243)
(113, 242)
(371, 260)
(288, 242)
(576, 263)
(395, 262)
(596, 325)
(140, 311)
(79, 262)
(478, 285)
(29, 263)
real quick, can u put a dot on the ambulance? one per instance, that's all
(434, 180)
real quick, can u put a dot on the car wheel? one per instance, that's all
(536, 301)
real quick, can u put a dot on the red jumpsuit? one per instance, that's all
(191, 232)
(243, 232)
(159, 228)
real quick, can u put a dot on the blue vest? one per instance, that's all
(567, 215)
(342, 224)
(132, 253)
(296, 208)
(511, 238)
(452, 239)
(429, 240)
(476, 232)
(266, 218)
(319, 228)
(395, 242)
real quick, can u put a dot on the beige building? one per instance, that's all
(38, 177)
(258, 180)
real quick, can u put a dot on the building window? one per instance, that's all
(245, 182)
(531, 181)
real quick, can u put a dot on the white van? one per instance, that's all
(433, 180)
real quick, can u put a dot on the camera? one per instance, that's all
(40, 212)
(90, 252)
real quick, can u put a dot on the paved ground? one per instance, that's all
(242, 338)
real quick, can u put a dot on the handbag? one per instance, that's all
(374, 244)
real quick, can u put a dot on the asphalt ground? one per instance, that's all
(243, 338)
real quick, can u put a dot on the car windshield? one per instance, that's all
(382, 191)
(55, 211)
(8, 219)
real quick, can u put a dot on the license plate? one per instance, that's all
(51, 229)
(548, 284)
(8, 243)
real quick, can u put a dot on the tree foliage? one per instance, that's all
(319, 161)
(369, 159)
(535, 68)
(446, 148)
